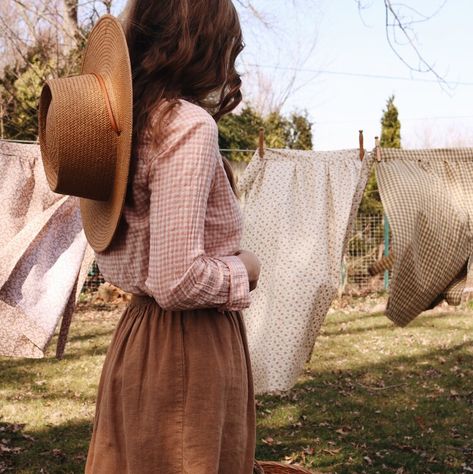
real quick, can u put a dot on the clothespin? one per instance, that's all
(362, 148)
(261, 142)
(378, 149)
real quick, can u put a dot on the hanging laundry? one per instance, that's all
(298, 208)
(44, 254)
(428, 198)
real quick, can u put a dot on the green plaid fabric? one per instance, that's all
(428, 198)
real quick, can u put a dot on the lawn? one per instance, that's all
(374, 399)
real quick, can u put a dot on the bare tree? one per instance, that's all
(64, 20)
(435, 134)
(24, 22)
(400, 24)
(38, 39)
(267, 88)
(72, 17)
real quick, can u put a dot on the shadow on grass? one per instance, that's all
(89, 337)
(55, 449)
(407, 414)
(15, 372)
(332, 326)
(334, 321)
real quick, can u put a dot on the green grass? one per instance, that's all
(374, 399)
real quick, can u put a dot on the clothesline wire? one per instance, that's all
(233, 150)
(237, 150)
(333, 122)
(358, 74)
(31, 142)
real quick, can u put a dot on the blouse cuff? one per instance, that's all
(239, 294)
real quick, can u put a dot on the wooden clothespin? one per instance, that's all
(362, 148)
(261, 142)
(378, 149)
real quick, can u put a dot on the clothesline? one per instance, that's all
(31, 142)
(227, 150)
(233, 150)
(237, 150)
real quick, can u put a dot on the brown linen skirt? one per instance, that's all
(175, 395)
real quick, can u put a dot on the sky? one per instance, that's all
(346, 41)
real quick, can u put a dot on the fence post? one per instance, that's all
(386, 249)
(2, 126)
(343, 277)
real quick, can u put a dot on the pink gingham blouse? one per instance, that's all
(177, 239)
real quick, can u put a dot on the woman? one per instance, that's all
(176, 393)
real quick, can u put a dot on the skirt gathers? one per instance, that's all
(175, 395)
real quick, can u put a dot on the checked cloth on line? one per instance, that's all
(428, 198)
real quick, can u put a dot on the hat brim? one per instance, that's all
(107, 55)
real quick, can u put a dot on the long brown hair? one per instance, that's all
(183, 49)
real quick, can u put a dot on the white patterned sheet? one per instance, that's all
(298, 207)
(43, 253)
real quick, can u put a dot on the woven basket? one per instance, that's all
(280, 468)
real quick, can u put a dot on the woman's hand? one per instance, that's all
(252, 264)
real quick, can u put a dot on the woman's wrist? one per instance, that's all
(249, 270)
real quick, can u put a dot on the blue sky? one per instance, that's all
(341, 105)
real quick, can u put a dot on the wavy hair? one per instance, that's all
(183, 49)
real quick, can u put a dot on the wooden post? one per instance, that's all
(2, 128)
(386, 249)
(261, 142)
(378, 149)
(362, 148)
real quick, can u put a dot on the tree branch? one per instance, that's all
(400, 32)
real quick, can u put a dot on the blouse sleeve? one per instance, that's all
(181, 275)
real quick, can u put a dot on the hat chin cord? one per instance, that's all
(108, 104)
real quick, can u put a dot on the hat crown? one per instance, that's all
(78, 137)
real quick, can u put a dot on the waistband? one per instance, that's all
(141, 299)
(148, 299)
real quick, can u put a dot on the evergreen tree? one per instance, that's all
(20, 88)
(390, 126)
(301, 132)
(240, 132)
(21, 84)
(390, 138)
(277, 131)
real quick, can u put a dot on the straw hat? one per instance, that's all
(85, 127)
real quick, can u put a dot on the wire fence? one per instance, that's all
(369, 242)
(93, 280)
